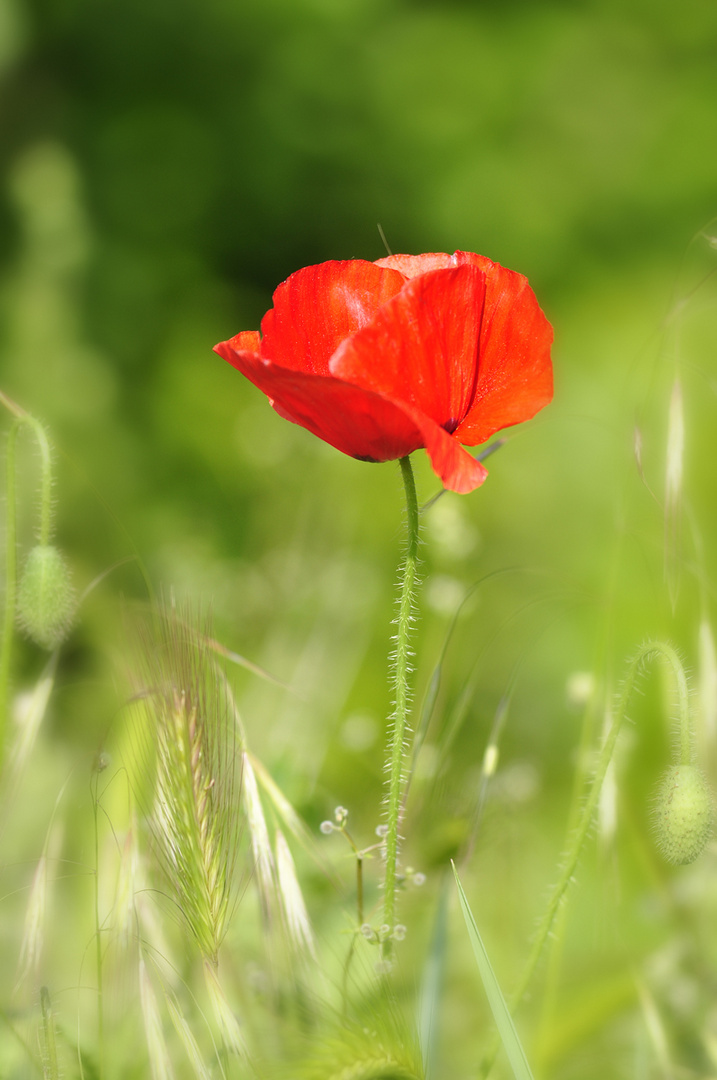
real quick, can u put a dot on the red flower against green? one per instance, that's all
(379, 359)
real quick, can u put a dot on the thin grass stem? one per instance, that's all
(644, 654)
(98, 937)
(50, 1068)
(10, 586)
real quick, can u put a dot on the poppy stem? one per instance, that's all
(401, 668)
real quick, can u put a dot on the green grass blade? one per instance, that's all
(499, 1008)
(50, 1068)
(432, 986)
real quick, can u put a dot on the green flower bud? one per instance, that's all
(683, 814)
(46, 599)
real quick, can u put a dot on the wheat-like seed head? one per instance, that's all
(295, 914)
(382, 1048)
(188, 772)
(259, 834)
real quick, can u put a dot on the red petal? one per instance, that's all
(515, 376)
(319, 306)
(355, 421)
(458, 470)
(422, 346)
(244, 341)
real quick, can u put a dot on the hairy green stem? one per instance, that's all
(43, 443)
(644, 654)
(45, 530)
(21, 417)
(401, 667)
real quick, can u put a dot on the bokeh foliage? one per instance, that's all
(164, 166)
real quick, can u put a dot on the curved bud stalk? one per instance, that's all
(684, 809)
(44, 532)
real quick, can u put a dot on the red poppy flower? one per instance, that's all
(382, 358)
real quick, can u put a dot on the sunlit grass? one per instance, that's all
(193, 864)
(193, 904)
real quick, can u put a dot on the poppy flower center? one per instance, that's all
(451, 425)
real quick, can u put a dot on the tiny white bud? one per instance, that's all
(382, 830)
(419, 879)
(327, 827)
(399, 932)
(367, 931)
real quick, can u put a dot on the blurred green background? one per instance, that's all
(164, 166)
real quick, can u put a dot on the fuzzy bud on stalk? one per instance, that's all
(683, 814)
(46, 602)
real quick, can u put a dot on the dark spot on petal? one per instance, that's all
(451, 425)
(361, 457)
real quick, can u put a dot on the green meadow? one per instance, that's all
(170, 905)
